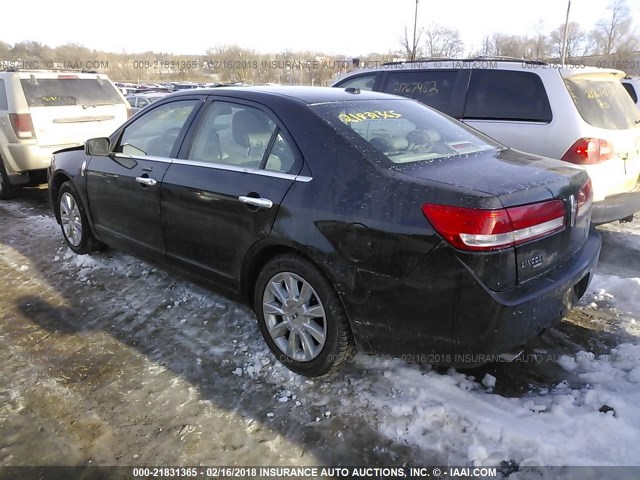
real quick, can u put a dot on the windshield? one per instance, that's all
(55, 92)
(603, 103)
(404, 131)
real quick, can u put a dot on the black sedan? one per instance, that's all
(345, 218)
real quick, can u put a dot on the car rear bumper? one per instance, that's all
(25, 157)
(442, 314)
(615, 208)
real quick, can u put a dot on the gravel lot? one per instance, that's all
(107, 360)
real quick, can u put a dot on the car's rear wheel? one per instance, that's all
(73, 221)
(7, 191)
(301, 317)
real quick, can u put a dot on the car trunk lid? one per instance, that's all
(517, 179)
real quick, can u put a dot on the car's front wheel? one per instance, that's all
(73, 221)
(301, 317)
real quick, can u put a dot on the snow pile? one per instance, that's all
(453, 417)
(620, 293)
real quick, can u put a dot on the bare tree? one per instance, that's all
(443, 42)
(616, 31)
(233, 63)
(5, 48)
(500, 45)
(411, 48)
(540, 47)
(578, 42)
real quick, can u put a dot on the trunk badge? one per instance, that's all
(574, 210)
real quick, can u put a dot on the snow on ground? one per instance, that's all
(590, 418)
(452, 416)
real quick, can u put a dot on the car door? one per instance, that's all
(223, 193)
(124, 188)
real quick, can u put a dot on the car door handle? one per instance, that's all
(150, 182)
(257, 202)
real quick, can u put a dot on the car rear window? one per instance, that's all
(431, 87)
(403, 131)
(55, 92)
(603, 103)
(507, 95)
(4, 104)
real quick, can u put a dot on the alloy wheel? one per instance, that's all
(294, 316)
(70, 219)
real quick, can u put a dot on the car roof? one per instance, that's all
(309, 95)
(492, 63)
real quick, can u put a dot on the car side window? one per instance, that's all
(627, 86)
(431, 87)
(154, 134)
(507, 95)
(142, 102)
(4, 104)
(363, 82)
(242, 136)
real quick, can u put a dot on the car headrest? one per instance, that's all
(423, 137)
(389, 144)
(246, 123)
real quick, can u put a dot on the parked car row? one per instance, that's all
(141, 100)
(578, 114)
(133, 88)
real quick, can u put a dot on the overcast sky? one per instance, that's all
(350, 27)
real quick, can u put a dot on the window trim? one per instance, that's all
(248, 170)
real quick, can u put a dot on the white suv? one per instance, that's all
(41, 112)
(579, 114)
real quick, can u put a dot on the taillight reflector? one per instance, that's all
(585, 198)
(587, 151)
(478, 230)
(22, 125)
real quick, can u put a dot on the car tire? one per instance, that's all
(74, 223)
(7, 191)
(301, 317)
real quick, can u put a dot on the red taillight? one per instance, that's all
(477, 230)
(588, 151)
(130, 112)
(585, 197)
(22, 125)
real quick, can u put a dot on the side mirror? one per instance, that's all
(97, 147)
